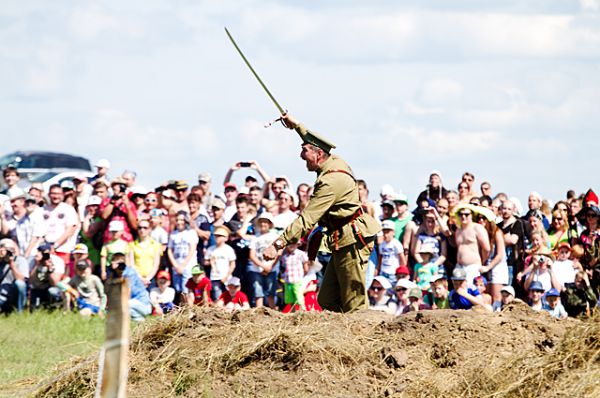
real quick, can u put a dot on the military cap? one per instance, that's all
(313, 138)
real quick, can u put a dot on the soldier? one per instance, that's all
(334, 205)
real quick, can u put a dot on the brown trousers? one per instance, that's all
(344, 283)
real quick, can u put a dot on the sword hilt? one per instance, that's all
(279, 119)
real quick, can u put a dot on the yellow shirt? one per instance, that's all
(144, 255)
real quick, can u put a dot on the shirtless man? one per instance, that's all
(472, 244)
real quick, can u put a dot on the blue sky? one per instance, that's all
(509, 90)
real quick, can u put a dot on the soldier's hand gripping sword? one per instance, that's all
(281, 110)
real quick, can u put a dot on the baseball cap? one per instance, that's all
(82, 264)
(437, 277)
(536, 286)
(67, 184)
(94, 200)
(181, 185)
(204, 177)
(103, 163)
(222, 231)
(415, 292)
(234, 280)
(508, 289)
(436, 173)
(385, 282)
(139, 190)
(459, 274)
(115, 226)
(403, 269)
(218, 203)
(45, 247)
(8, 243)
(229, 185)
(388, 224)
(164, 275)
(564, 245)
(197, 270)
(401, 198)
(387, 190)
(405, 283)
(16, 193)
(266, 216)
(427, 248)
(388, 203)
(80, 248)
(553, 293)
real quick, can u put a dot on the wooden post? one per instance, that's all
(113, 361)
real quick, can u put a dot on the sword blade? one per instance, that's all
(254, 73)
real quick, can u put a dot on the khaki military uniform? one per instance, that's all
(350, 233)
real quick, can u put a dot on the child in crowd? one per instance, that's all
(262, 273)
(564, 268)
(199, 288)
(425, 270)
(536, 294)
(415, 303)
(480, 284)
(233, 299)
(391, 252)
(554, 306)
(508, 297)
(221, 259)
(463, 297)
(181, 251)
(439, 289)
(80, 252)
(87, 289)
(402, 272)
(295, 264)
(162, 296)
(116, 245)
(158, 233)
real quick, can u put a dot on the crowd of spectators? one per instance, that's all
(201, 245)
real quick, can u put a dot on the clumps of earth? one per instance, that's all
(202, 352)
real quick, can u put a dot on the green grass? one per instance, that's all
(31, 345)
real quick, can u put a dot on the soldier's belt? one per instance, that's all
(337, 225)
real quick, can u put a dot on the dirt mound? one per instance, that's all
(205, 352)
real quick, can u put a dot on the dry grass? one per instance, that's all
(206, 353)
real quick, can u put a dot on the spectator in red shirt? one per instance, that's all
(119, 208)
(233, 299)
(199, 288)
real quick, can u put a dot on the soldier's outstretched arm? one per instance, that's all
(289, 121)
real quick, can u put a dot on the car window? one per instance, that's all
(43, 177)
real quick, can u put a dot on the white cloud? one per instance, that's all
(46, 69)
(90, 21)
(438, 92)
(113, 127)
(590, 5)
(442, 143)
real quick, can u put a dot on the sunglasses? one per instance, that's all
(140, 227)
(377, 288)
(558, 219)
(151, 200)
(401, 289)
(464, 214)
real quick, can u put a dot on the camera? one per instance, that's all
(245, 164)
(6, 258)
(45, 256)
(541, 260)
